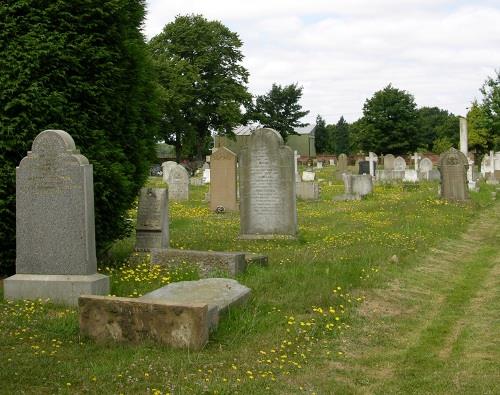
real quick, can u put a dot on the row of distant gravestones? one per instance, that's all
(55, 209)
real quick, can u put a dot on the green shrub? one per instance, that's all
(80, 66)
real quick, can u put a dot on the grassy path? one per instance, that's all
(436, 329)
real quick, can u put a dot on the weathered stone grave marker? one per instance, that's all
(178, 184)
(389, 162)
(166, 167)
(152, 219)
(223, 180)
(453, 167)
(55, 233)
(267, 187)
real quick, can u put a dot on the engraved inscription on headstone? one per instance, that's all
(267, 187)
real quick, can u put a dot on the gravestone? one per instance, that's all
(332, 162)
(364, 167)
(307, 190)
(178, 184)
(410, 175)
(223, 180)
(372, 160)
(356, 187)
(399, 164)
(166, 167)
(55, 233)
(205, 178)
(453, 166)
(389, 162)
(319, 165)
(425, 168)
(308, 176)
(267, 187)
(464, 148)
(152, 219)
(416, 157)
(341, 166)
(296, 157)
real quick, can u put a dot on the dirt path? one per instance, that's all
(434, 330)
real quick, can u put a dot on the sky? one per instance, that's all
(342, 51)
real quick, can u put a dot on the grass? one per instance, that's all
(301, 323)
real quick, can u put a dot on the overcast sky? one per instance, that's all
(342, 51)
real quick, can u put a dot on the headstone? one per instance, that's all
(308, 176)
(205, 166)
(463, 136)
(55, 233)
(307, 190)
(341, 166)
(166, 167)
(410, 175)
(425, 167)
(372, 160)
(152, 219)
(356, 186)
(178, 184)
(416, 157)
(223, 180)
(267, 187)
(364, 167)
(453, 166)
(296, 157)
(389, 162)
(399, 164)
(332, 162)
(319, 165)
(206, 176)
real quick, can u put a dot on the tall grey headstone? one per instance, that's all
(453, 166)
(178, 184)
(55, 232)
(267, 187)
(463, 136)
(152, 219)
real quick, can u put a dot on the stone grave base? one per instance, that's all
(64, 289)
(106, 318)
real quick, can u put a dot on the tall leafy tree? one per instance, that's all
(342, 141)
(477, 127)
(321, 135)
(279, 109)
(80, 66)
(390, 122)
(435, 124)
(203, 81)
(491, 105)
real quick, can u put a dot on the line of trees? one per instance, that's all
(392, 123)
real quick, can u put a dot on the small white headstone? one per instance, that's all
(308, 176)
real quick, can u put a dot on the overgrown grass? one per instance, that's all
(296, 317)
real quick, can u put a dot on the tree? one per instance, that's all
(436, 124)
(321, 140)
(477, 127)
(389, 122)
(80, 66)
(342, 144)
(202, 79)
(279, 109)
(491, 105)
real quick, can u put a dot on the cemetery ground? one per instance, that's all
(397, 293)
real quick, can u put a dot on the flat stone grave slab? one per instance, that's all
(218, 293)
(179, 325)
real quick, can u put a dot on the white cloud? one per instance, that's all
(341, 52)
